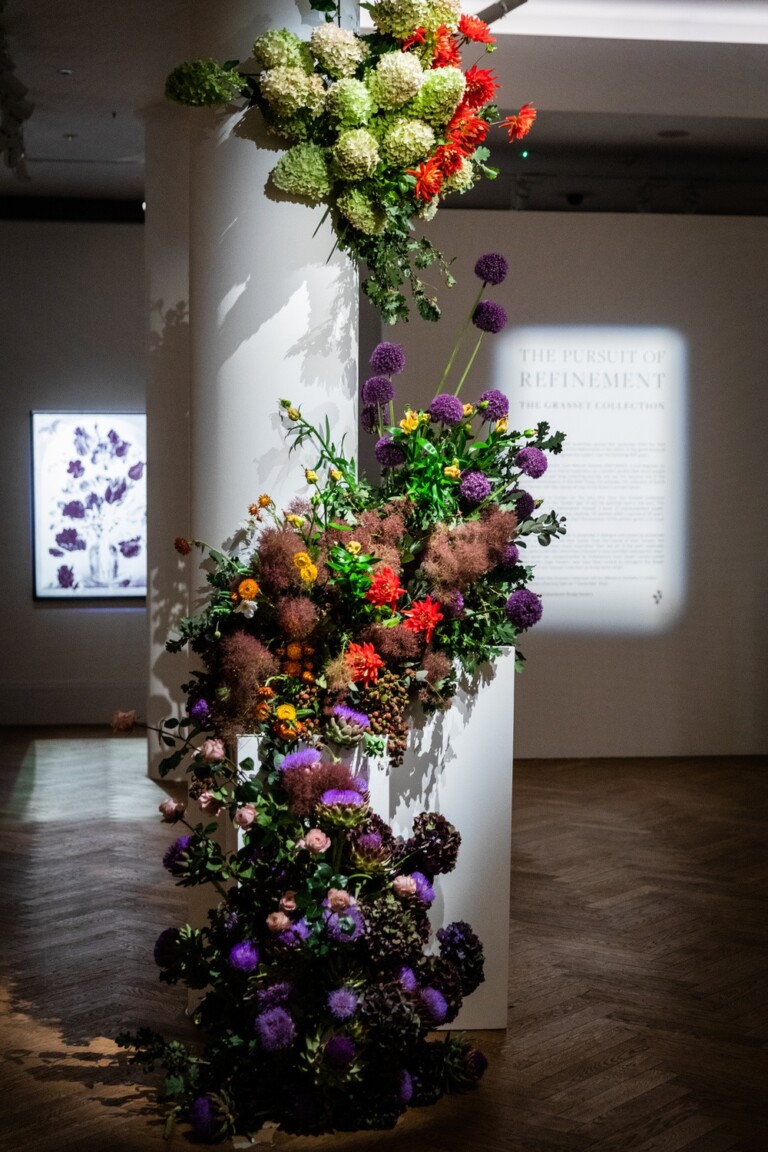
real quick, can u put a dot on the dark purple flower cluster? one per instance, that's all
(368, 418)
(489, 316)
(523, 608)
(474, 486)
(531, 461)
(389, 454)
(446, 408)
(175, 856)
(274, 995)
(493, 404)
(492, 268)
(200, 710)
(164, 952)
(377, 390)
(524, 503)
(202, 1117)
(461, 947)
(434, 846)
(345, 927)
(275, 1029)
(511, 556)
(388, 358)
(339, 1052)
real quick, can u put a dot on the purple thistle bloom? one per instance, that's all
(173, 854)
(405, 1089)
(435, 1004)
(345, 713)
(66, 577)
(496, 404)
(164, 952)
(201, 1117)
(532, 462)
(407, 978)
(274, 996)
(74, 509)
(369, 418)
(388, 454)
(368, 842)
(492, 268)
(76, 469)
(524, 503)
(388, 358)
(136, 471)
(489, 316)
(295, 936)
(377, 390)
(511, 556)
(424, 890)
(446, 408)
(523, 608)
(474, 486)
(244, 957)
(344, 927)
(339, 1052)
(453, 604)
(275, 1029)
(307, 758)
(343, 1003)
(200, 710)
(342, 796)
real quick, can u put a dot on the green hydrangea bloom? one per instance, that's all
(428, 211)
(356, 154)
(202, 82)
(339, 51)
(399, 17)
(361, 212)
(279, 48)
(443, 12)
(303, 171)
(349, 102)
(396, 79)
(461, 180)
(407, 141)
(439, 96)
(289, 90)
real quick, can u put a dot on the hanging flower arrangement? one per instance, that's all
(381, 128)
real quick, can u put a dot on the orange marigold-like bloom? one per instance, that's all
(446, 51)
(473, 28)
(423, 616)
(293, 651)
(481, 87)
(385, 588)
(182, 546)
(418, 36)
(265, 693)
(292, 667)
(363, 663)
(285, 712)
(449, 158)
(466, 130)
(248, 589)
(520, 125)
(429, 180)
(265, 500)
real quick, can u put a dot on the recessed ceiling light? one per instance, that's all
(64, 71)
(70, 135)
(673, 133)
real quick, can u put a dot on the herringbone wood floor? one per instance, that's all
(637, 993)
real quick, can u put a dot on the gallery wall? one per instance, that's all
(72, 330)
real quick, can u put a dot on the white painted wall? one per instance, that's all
(73, 335)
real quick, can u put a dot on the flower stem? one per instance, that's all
(469, 365)
(459, 339)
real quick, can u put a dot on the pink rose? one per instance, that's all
(278, 922)
(209, 803)
(337, 899)
(245, 816)
(123, 721)
(212, 750)
(317, 841)
(404, 886)
(171, 811)
(288, 901)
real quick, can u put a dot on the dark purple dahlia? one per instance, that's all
(523, 608)
(489, 316)
(492, 268)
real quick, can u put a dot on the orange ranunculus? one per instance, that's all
(248, 589)
(520, 125)
(473, 28)
(423, 616)
(385, 588)
(363, 663)
(429, 180)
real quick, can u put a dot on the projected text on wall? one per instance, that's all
(619, 394)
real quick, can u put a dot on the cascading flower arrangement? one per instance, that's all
(320, 630)
(380, 127)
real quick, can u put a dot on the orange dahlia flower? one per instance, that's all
(520, 125)
(363, 663)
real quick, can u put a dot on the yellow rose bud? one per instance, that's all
(354, 547)
(311, 476)
(424, 417)
(335, 474)
(452, 471)
(469, 409)
(285, 712)
(296, 521)
(301, 559)
(410, 421)
(294, 414)
(308, 573)
(501, 425)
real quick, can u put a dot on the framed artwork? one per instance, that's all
(89, 504)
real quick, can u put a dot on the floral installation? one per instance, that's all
(321, 629)
(379, 127)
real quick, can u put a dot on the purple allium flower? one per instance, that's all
(74, 509)
(76, 469)
(274, 995)
(453, 603)
(344, 927)
(244, 957)
(446, 408)
(295, 936)
(173, 854)
(275, 1029)
(496, 404)
(492, 268)
(389, 454)
(377, 390)
(69, 540)
(474, 487)
(531, 461)
(510, 556)
(524, 503)
(489, 316)
(523, 608)
(115, 491)
(200, 710)
(343, 1003)
(136, 470)
(345, 713)
(339, 1052)
(388, 358)
(435, 1004)
(341, 796)
(407, 978)
(405, 1088)
(307, 758)
(66, 577)
(424, 890)
(369, 417)
(202, 1117)
(130, 548)
(164, 952)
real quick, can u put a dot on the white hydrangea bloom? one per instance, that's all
(338, 51)
(396, 79)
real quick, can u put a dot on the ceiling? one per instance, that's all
(643, 104)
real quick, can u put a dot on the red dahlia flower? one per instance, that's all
(473, 28)
(448, 158)
(520, 125)
(363, 662)
(466, 130)
(385, 588)
(481, 87)
(423, 616)
(446, 50)
(429, 180)
(416, 37)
